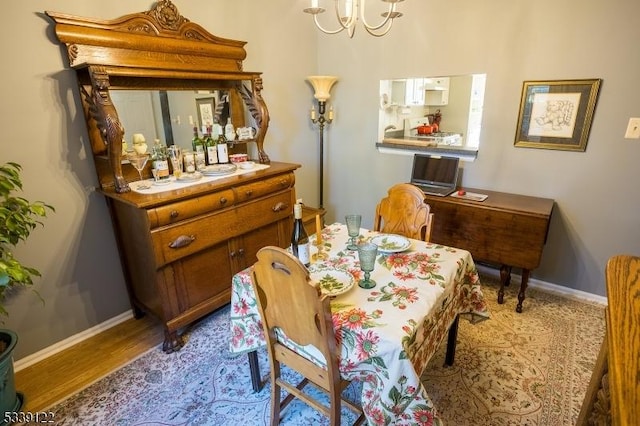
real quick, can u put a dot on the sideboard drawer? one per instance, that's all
(181, 210)
(174, 242)
(255, 190)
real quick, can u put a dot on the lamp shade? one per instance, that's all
(322, 85)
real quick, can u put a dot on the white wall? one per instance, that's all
(44, 130)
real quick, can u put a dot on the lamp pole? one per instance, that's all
(322, 121)
(322, 85)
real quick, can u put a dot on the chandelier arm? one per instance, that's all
(350, 22)
(321, 28)
(388, 18)
(370, 31)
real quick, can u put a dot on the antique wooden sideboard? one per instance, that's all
(509, 230)
(179, 248)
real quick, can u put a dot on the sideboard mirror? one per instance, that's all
(155, 55)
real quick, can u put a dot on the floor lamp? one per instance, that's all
(322, 85)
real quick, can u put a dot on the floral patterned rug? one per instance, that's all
(531, 368)
(526, 369)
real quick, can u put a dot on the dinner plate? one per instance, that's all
(391, 243)
(332, 281)
(219, 169)
(189, 177)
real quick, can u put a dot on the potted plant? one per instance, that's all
(18, 217)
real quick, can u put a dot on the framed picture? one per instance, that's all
(206, 108)
(556, 114)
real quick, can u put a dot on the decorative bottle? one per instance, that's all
(212, 149)
(299, 238)
(229, 130)
(160, 160)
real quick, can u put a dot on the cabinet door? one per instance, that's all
(243, 250)
(204, 276)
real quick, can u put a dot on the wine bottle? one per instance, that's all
(212, 149)
(198, 150)
(299, 238)
(223, 150)
(160, 160)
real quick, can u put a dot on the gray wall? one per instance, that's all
(44, 130)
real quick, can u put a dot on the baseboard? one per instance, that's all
(70, 341)
(551, 288)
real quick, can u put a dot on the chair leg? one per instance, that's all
(335, 401)
(275, 394)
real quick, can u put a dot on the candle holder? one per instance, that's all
(322, 85)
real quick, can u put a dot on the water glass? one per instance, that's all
(353, 228)
(367, 253)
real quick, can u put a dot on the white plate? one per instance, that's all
(332, 281)
(189, 177)
(219, 169)
(391, 243)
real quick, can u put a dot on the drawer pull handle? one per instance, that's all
(174, 214)
(284, 182)
(238, 253)
(279, 207)
(249, 193)
(182, 241)
(223, 200)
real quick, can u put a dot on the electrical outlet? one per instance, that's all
(633, 129)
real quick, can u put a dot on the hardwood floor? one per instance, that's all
(65, 373)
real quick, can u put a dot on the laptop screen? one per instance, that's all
(435, 170)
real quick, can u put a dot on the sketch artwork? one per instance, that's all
(554, 114)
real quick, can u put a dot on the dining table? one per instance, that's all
(386, 335)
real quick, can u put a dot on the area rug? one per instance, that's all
(531, 368)
(526, 369)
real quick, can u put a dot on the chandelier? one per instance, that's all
(353, 11)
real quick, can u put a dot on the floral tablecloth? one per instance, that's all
(386, 334)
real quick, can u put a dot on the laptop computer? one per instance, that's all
(435, 175)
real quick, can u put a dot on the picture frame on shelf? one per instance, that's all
(556, 114)
(206, 111)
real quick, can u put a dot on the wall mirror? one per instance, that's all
(172, 66)
(409, 107)
(171, 115)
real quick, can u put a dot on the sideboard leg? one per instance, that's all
(172, 341)
(254, 368)
(505, 280)
(523, 288)
(451, 343)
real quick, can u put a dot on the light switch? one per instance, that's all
(633, 129)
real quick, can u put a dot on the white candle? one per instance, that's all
(313, 113)
(331, 113)
(314, 3)
(347, 8)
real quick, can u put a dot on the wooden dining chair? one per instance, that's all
(404, 211)
(289, 301)
(613, 395)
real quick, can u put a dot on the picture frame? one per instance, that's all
(206, 111)
(556, 114)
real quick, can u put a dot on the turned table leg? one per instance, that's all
(451, 343)
(523, 288)
(505, 279)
